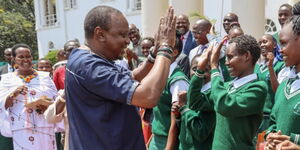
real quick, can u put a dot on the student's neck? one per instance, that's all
(297, 68)
(246, 73)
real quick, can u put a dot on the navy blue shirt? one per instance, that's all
(99, 94)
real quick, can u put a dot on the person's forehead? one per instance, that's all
(182, 19)
(284, 10)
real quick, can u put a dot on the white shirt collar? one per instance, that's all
(206, 87)
(172, 68)
(242, 81)
(186, 35)
(265, 63)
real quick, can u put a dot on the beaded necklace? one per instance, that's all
(28, 78)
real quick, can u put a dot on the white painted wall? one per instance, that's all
(216, 9)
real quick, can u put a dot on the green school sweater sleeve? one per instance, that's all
(197, 127)
(272, 127)
(295, 138)
(197, 100)
(240, 103)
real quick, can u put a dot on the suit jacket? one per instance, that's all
(189, 44)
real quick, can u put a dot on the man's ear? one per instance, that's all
(99, 34)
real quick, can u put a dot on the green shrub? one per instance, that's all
(52, 56)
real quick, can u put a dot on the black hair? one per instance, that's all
(178, 43)
(287, 6)
(68, 43)
(149, 39)
(296, 9)
(98, 16)
(295, 20)
(246, 43)
(41, 59)
(16, 46)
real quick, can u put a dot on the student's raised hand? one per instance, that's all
(204, 58)
(175, 109)
(270, 57)
(216, 52)
(182, 98)
(167, 31)
(287, 145)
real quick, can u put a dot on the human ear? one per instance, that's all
(99, 34)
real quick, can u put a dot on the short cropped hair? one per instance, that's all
(246, 43)
(98, 16)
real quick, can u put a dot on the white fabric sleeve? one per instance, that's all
(176, 87)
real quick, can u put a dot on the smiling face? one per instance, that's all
(236, 63)
(146, 45)
(134, 34)
(23, 59)
(182, 24)
(116, 38)
(266, 44)
(290, 44)
(284, 13)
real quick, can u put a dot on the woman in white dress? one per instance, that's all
(26, 124)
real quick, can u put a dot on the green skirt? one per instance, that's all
(6, 143)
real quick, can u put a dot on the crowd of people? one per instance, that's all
(185, 89)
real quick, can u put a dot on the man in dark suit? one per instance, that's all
(8, 67)
(183, 26)
(5, 142)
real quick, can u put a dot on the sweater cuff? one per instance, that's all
(183, 109)
(295, 138)
(214, 73)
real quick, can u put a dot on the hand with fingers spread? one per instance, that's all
(216, 52)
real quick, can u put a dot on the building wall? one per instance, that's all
(70, 22)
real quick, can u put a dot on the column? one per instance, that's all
(152, 10)
(251, 15)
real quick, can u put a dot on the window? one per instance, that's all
(270, 26)
(134, 5)
(69, 4)
(50, 17)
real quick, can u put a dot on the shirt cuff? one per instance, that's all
(295, 138)
(215, 73)
(184, 109)
(131, 91)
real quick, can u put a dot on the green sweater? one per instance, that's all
(239, 112)
(197, 118)
(262, 72)
(285, 114)
(162, 112)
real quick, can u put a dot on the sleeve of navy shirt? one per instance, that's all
(106, 80)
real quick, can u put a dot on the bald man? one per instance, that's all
(200, 29)
(228, 19)
(183, 27)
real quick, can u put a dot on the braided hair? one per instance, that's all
(295, 21)
(296, 9)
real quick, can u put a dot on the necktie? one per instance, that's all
(182, 38)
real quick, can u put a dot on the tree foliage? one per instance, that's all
(17, 24)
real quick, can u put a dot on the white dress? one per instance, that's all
(28, 129)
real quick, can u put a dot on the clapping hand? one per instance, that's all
(215, 55)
